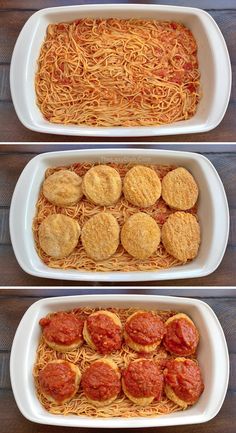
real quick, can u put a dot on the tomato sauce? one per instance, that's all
(62, 328)
(105, 334)
(144, 379)
(185, 379)
(58, 381)
(145, 328)
(181, 337)
(100, 382)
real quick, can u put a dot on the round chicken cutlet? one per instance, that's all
(102, 185)
(142, 186)
(100, 236)
(179, 189)
(63, 188)
(140, 235)
(181, 236)
(58, 235)
(59, 381)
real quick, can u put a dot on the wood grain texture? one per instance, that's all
(14, 14)
(28, 4)
(13, 304)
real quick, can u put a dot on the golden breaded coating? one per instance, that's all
(86, 333)
(138, 347)
(114, 367)
(58, 235)
(78, 375)
(102, 185)
(181, 236)
(140, 235)
(63, 188)
(179, 189)
(142, 186)
(100, 236)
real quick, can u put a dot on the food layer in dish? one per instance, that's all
(113, 72)
(120, 382)
(122, 236)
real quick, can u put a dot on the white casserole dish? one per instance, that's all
(212, 355)
(213, 58)
(212, 210)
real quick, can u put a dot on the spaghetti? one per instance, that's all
(113, 72)
(121, 260)
(83, 357)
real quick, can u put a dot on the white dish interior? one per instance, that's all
(212, 356)
(213, 58)
(212, 211)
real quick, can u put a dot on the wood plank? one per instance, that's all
(12, 310)
(29, 4)
(4, 227)
(232, 378)
(11, 167)
(202, 292)
(5, 94)
(13, 131)
(12, 274)
(36, 148)
(12, 421)
(5, 382)
(11, 24)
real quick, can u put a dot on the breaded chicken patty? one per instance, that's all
(179, 189)
(58, 235)
(183, 381)
(181, 236)
(100, 236)
(142, 186)
(140, 235)
(63, 188)
(102, 185)
(101, 382)
(103, 331)
(144, 331)
(59, 381)
(142, 381)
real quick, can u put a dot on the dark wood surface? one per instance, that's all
(13, 15)
(14, 158)
(14, 303)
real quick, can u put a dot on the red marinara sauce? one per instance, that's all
(100, 382)
(144, 378)
(185, 379)
(62, 328)
(145, 328)
(57, 381)
(105, 334)
(181, 337)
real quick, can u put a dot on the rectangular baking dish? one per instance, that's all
(213, 58)
(212, 356)
(213, 213)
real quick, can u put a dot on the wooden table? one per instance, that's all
(14, 158)
(13, 304)
(13, 15)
